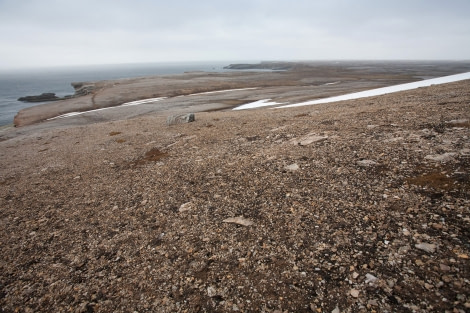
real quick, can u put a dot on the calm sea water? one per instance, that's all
(19, 83)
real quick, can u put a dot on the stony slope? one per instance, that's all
(356, 206)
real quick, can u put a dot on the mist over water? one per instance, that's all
(19, 83)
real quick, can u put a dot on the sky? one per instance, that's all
(42, 33)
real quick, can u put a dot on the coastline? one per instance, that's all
(25, 82)
(299, 82)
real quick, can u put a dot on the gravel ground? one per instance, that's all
(357, 206)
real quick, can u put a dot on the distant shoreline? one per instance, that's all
(35, 81)
(303, 81)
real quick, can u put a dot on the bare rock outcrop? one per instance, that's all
(44, 97)
(180, 119)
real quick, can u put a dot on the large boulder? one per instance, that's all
(180, 119)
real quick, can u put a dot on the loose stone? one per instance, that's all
(354, 293)
(240, 220)
(428, 247)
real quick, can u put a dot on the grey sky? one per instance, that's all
(63, 32)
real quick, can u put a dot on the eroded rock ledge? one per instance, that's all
(81, 89)
(288, 81)
(44, 97)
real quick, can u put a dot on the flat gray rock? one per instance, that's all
(240, 220)
(308, 139)
(428, 247)
(446, 157)
(366, 163)
(293, 167)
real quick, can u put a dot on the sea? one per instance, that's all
(29, 82)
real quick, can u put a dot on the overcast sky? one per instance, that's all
(75, 32)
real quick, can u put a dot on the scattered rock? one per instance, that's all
(447, 278)
(354, 293)
(458, 123)
(428, 247)
(336, 310)
(293, 167)
(370, 279)
(366, 163)
(185, 207)
(315, 232)
(180, 119)
(446, 157)
(240, 220)
(372, 302)
(465, 152)
(211, 292)
(308, 139)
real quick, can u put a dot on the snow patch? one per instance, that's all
(257, 104)
(385, 90)
(137, 102)
(144, 101)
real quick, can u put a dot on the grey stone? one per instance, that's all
(449, 156)
(180, 119)
(370, 278)
(308, 139)
(428, 247)
(240, 220)
(366, 163)
(185, 207)
(293, 167)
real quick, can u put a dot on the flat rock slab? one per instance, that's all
(366, 163)
(293, 167)
(308, 139)
(240, 220)
(428, 247)
(446, 157)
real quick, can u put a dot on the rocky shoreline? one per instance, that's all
(355, 206)
(81, 89)
(44, 97)
(290, 82)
